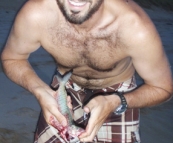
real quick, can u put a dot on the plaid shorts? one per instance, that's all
(116, 129)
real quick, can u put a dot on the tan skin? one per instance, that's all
(117, 30)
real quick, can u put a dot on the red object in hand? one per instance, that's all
(68, 133)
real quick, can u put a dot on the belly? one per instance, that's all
(93, 79)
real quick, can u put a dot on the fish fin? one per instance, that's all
(67, 76)
(59, 77)
(62, 79)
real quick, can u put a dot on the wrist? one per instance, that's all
(114, 100)
(123, 106)
(41, 90)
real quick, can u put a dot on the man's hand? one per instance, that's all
(99, 107)
(48, 103)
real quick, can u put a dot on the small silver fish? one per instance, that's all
(71, 132)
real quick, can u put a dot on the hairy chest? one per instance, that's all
(99, 50)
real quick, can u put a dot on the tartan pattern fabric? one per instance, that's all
(116, 129)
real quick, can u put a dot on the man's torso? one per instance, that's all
(98, 55)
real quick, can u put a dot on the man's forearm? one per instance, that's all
(20, 72)
(146, 96)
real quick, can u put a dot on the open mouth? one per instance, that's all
(77, 4)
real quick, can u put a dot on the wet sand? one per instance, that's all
(19, 110)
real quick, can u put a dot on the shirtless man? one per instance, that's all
(104, 42)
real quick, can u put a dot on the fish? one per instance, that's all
(71, 132)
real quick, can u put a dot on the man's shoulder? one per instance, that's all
(36, 10)
(135, 27)
(136, 24)
(128, 16)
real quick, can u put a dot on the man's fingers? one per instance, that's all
(69, 102)
(91, 131)
(91, 125)
(95, 121)
(90, 106)
(89, 138)
(87, 109)
(59, 117)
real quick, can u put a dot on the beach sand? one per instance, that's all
(19, 110)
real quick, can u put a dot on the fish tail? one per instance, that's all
(62, 79)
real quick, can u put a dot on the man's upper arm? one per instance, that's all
(149, 58)
(24, 36)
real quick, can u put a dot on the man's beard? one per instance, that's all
(74, 17)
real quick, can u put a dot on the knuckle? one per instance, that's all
(51, 108)
(87, 134)
(48, 120)
(54, 109)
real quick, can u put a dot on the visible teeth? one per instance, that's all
(77, 3)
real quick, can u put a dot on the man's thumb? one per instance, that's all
(87, 109)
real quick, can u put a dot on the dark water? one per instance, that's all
(157, 122)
